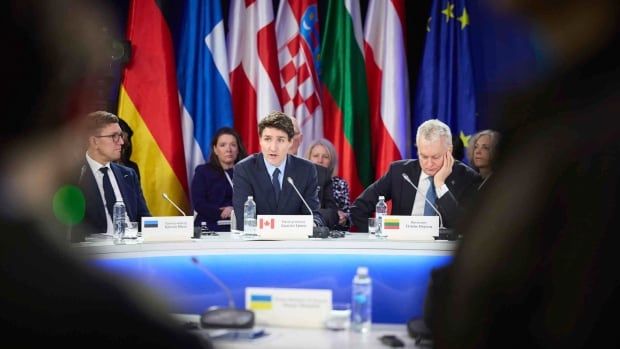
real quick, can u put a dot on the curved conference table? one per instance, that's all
(400, 270)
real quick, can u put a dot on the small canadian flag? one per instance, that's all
(267, 223)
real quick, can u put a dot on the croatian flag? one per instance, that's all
(299, 47)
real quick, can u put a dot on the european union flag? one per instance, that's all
(446, 82)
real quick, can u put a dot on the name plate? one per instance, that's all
(284, 227)
(289, 307)
(168, 228)
(423, 228)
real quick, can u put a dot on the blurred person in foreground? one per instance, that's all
(264, 175)
(323, 153)
(49, 297)
(444, 181)
(481, 153)
(539, 265)
(212, 186)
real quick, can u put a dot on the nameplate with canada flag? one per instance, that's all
(417, 228)
(284, 227)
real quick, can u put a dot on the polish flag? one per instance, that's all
(254, 74)
(388, 83)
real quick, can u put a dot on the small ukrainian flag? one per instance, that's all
(260, 302)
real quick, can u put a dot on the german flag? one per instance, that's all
(149, 103)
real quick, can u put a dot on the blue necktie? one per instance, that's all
(432, 197)
(108, 192)
(276, 183)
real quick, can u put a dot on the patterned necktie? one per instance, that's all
(108, 192)
(432, 197)
(276, 183)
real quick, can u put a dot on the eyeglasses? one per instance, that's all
(115, 137)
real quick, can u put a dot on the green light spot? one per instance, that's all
(69, 205)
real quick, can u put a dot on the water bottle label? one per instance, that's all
(360, 298)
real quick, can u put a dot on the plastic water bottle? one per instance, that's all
(249, 217)
(361, 300)
(119, 221)
(380, 212)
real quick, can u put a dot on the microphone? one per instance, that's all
(318, 231)
(444, 233)
(173, 204)
(290, 180)
(230, 317)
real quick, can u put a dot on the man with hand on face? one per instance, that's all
(103, 181)
(264, 175)
(444, 181)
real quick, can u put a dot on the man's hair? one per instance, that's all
(333, 163)
(493, 139)
(277, 120)
(97, 120)
(432, 130)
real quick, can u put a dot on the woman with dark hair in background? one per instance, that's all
(212, 184)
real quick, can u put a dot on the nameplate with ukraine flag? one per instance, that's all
(284, 227)
(289, 307)
(419, 228)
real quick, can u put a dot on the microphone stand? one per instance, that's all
(317, 231)
(444, 233)
(230, 317)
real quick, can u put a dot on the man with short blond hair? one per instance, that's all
(103, 181)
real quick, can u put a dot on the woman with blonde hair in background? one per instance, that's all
(322, 152)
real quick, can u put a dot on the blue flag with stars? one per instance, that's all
(445, 88)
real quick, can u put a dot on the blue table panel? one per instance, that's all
(399, 281)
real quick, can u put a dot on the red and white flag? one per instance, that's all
(299, 47)
(254, 74)
(388, 82)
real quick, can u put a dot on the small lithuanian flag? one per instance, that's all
(391, 223)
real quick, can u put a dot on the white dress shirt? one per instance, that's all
(424, 183)
(94, 167)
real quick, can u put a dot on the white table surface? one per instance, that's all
(310, 338)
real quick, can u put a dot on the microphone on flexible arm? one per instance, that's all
(444, 233)
(230, 317)
(173, 204)
(318, 231)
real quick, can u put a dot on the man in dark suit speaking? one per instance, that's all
(103, 181)
(264, 175)
(444, 181)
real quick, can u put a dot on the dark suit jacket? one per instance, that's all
(252, 178)
(329, 207)
(94, 218)
(462, 183)
(210, 191)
